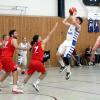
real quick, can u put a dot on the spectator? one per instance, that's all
(88, 54)
(22, 54)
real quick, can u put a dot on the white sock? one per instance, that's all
(61, 62)
(14, 86)
(37, 82)
(0, 83)
(68, 68)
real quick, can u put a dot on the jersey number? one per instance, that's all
(36, 49)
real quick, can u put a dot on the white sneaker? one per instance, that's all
(80, 65)
(68, 75)
(36, 87)
(16, 90)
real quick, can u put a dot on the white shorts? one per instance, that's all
(22, 60)
(66, 48)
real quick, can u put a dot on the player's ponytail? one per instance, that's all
(35, 39)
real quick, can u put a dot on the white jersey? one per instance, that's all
(23, 46)
(72, 33)
(68, 46)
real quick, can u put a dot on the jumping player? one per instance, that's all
(67, 47)
(36, 64)
(7, 60)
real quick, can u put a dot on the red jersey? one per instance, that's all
(8, 50)
(0, 50)
(37, 51)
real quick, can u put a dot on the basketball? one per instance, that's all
(72, 10)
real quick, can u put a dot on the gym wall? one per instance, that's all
(27, 26)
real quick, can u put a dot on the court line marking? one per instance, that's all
(54, 98)
(72, 90)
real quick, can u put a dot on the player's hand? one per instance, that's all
(56, 24)
(74, 13)
(92, 58)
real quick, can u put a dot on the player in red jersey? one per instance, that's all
(4, 38)
(7, 60)
(0, 54)
(37, 57)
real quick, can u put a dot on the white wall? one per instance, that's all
(42, 7)
(81, 8)
(35, 7)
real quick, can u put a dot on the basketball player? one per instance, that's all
(66, 48)
(4, 38)
(36, 64)
(22, 54)
(7, 60)
(96, 45)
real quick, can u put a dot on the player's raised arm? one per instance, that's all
(50, 34)
(65, 22)
(74, 21)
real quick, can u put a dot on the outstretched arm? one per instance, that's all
(65, 22)
(50, 34)
(96, 45)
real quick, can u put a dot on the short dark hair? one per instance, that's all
(11, 32)
(80, 19)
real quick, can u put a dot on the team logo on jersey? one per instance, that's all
(70, 33)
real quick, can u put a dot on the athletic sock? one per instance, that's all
(14, 86)
(0, 83)
(61, 62)
(37, 82)
(68, 68)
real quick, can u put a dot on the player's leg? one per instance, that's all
(35, 84)
(24, 64)
(39, 68)
(26, 79)
(15, 80)
(67, 55)
(10, 66)
(29, 73)
(2, 78)
(59, 54)
(19, 62)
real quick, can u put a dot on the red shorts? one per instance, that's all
(36, 65)
(0, 65)
(8, 64)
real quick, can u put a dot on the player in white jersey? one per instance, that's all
(22, 54)
(67, 47)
